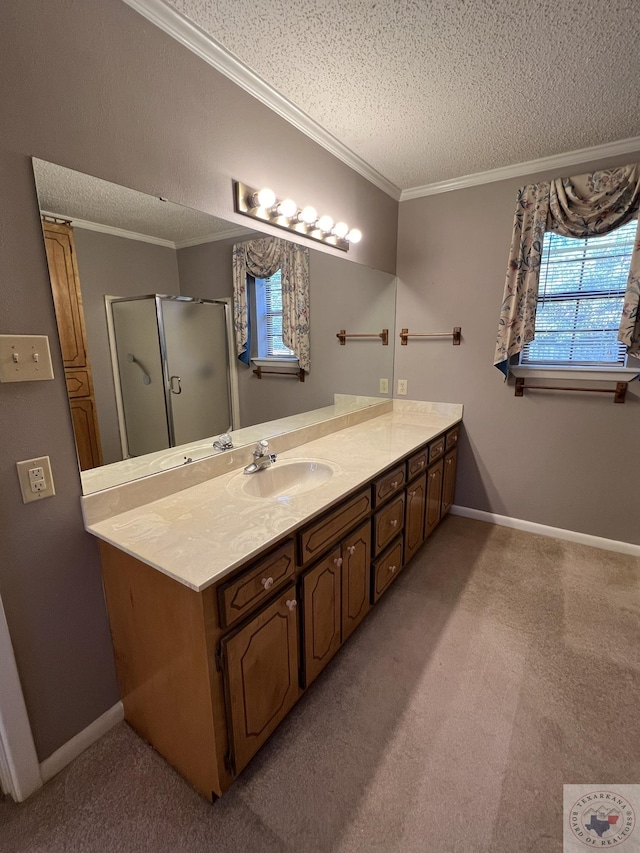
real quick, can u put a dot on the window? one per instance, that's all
(268, 292)
(580, 299)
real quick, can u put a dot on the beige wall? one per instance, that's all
(94, 87)
(565, 460)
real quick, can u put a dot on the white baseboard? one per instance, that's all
(545, 530)
(83, 740)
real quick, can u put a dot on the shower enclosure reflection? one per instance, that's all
(171, 370)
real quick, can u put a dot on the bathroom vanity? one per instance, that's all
(228, 598)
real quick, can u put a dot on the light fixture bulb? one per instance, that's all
(266, 197)
(354, 236)
(340, 229)
(325, 224)
(287, 208)
(308, 215)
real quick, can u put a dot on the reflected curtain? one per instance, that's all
(582, 206)
(261, 258)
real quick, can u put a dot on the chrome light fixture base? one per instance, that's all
(244, 198)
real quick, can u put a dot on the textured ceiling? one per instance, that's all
(430, 91)
(77, 196)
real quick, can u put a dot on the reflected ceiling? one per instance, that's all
(72, 195)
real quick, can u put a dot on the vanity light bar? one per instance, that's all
(264, 206)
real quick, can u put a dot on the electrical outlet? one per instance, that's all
(402, 387)
(384, 386)
(36, 480)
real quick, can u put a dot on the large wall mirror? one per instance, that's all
(143, 289)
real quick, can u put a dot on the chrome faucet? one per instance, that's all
(224, 442)
(261, 458)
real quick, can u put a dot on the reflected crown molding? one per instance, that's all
(179, 27)
(148, 238)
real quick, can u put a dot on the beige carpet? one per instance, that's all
(499, 666)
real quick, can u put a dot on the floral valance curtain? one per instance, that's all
(582, 206)
(261, 258)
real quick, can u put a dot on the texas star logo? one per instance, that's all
(602, 819)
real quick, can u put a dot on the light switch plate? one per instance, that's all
(33, 486)
(25, 358)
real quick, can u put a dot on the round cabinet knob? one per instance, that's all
(422, 463)
(394, 522)
(292, 604)
(267, 583)
(351, 549)
(449, 461)
(392, 569)
(412, 494)
(338, 561)
(394, 485)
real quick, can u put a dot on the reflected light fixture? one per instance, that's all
(263, 205)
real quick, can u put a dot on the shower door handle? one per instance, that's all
(172, 387)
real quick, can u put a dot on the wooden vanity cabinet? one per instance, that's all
(207, 676)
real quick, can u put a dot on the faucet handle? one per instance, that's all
(261, 448)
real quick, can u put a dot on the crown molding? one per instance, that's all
(179, 27)
(111, 229)
(212, 238)
(555, 161)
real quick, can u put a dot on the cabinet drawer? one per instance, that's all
(77, 383)
(417, 463)
(387, 523)
(316, 538)
(239, 597)
(388, 485)
(386, 569)
(436, 449)
(451, 438)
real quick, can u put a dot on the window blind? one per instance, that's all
(272, 317)
(580, 299)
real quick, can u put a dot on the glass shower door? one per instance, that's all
(196, 368)
(140, 375)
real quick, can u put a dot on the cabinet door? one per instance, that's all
(386, 568)
(355, 578)
(83, 417)
(261, 674)
(321, 590)
(449, 482)
(65, 287)
(434, 495)
(414, 517)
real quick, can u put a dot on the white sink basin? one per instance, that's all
(284, 479)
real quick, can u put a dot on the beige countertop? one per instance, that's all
(200, 534)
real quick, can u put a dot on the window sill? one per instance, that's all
(588, 374)
(272, 361)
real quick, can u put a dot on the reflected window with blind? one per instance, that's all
(580, 299)
(268, 294)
